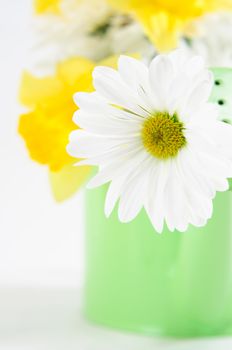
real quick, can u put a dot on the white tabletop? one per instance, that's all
(47, 319)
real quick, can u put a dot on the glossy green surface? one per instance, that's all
(177, 284)
(222, 92)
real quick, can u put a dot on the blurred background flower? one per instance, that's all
(96, 29)
(42, 6)
(214, 40)
(47, 125)
(165, 21)
(89, 28)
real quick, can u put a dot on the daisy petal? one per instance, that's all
(108, 82)
(127, 164)
(154, 204)
(160, 73)
(132, 198)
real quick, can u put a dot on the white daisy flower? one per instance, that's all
(155, 138)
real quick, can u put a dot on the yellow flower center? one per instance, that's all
(162, 135)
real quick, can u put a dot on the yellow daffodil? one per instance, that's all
(165, 20)
(48, 123)
(42, 6)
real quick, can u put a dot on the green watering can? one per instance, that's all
(175, 284)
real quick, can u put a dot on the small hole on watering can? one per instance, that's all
(227, 121)
(217, 82)
(221, 102)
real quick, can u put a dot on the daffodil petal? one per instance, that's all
(67, 181)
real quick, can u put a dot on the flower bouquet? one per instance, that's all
(157, 127)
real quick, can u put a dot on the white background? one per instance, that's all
(41, 242)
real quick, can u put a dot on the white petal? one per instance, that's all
(133, 72)
(222, 133)
(84, 145)
(135, 75)
(200, 187)
(117, 154)
(201, 207)
(125, 164)
(132, 198)
(209, 156)
(93, 102)
(194, 66)
(177, 93)
(191, 170)
(108, 82)
(101, 124)
(176, 210)
(132, 187)
(199, 95)
(89, 101)
(178, 59)
(115, 189)
(161, 74)
(154, 204)
(204, 116)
